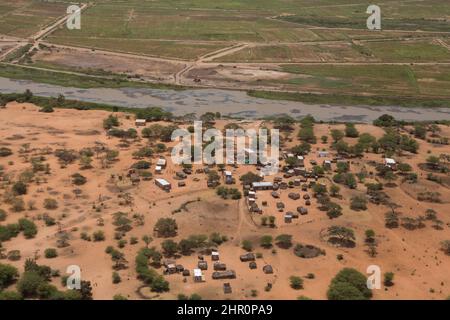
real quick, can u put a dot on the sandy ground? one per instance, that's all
(84, 59)
(420, 267)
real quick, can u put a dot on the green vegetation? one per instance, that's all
(343, 99)
(349, 284)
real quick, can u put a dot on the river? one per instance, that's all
(227, 102)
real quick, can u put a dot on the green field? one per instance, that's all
(23, 18)
(323, 45)
(372, 79)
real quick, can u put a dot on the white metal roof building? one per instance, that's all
(161, 162)
(262, 185)
(162, 182)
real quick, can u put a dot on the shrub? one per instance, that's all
(5, 152)
(50, 253)
(358, 203)
(116, 278)
(110, 121)
(78, 179)
(19, 188)
(9, 231)
(388, 279)
(247, 245)
(50, 204)
(284, 241)
(266, 241)
(28, 227)
(2, 215)
(296, 282)
(98, 236)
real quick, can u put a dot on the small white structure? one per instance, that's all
(262, 185)
(228, 177)
(161, 163)
(323, 154)
(198, 275)
(158, 169)
(163, 184)
(140, 122)
(215, 256)
(389, 162)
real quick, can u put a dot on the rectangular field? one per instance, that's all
(23, 18)
(371, 79)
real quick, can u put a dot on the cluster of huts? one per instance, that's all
(251, 259)
(303, 178)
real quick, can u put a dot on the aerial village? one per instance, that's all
(102, 192)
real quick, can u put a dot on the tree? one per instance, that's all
(283, 123)
(341, 235)
(385, 120)
(334, 190)
(334, 210)
(147, 239)
(169, 247)
(27, 95)
(366, 140)
(337, 135)
(8, 274)
(324, 139)
(110, 122)
(351, 131)
(306, 134)
(301, 149)
(358, 203)
(29, 283)
(266, 241)
(391, 220)
(166, 227)
(341, 147)
(404, 168)
(349, 284)
(85, 162)
(433, 161)
(319, 189)
(284, 241)
(296, 282)
(249, 178)
(420, 131)
(185, 246)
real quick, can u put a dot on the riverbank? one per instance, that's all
(229, 103)
(70, 78)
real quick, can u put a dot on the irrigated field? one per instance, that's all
(243, 44)
(22, 18)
